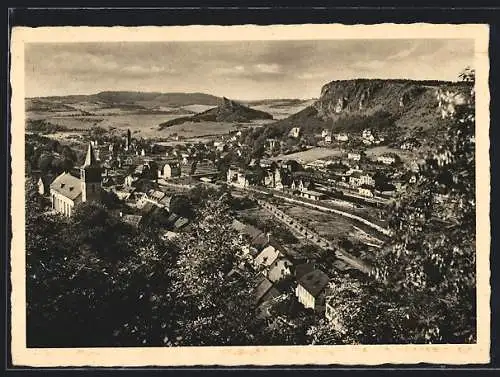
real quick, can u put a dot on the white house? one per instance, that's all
(279, 269)
(169, 169)
(366, 179)
(342, 137)
(294, 132)
(367, 135)
(310, 288)
(354, 156)
(386, 159)
(131, 179)
(365, 190)
(266, 257)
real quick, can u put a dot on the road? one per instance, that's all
(321, 207)
(315, 238)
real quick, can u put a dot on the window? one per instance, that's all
(93, 189)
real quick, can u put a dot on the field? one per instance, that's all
(328, 225)
(266, 222)
(142, 125)
(281, 110)
(142, 113)
(197, 129)
(310, 154)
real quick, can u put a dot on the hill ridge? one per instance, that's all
(226, 111)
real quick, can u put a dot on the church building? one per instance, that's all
(67, 190)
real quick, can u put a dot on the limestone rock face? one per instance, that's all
(365, 96)
(405, 105)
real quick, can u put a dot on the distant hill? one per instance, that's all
(279, 102)
(125, 99)
(170, 99)
(226, 111)
(351, 105)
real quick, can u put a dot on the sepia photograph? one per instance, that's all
(250, 195)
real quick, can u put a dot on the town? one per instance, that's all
(145, 177)
(190, 219)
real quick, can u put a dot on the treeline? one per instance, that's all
(44, 127)
(380, 121)
(50, 156)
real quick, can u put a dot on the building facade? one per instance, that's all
(67, 190)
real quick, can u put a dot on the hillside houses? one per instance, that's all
(241, 177)
(357, 179)
(366, 190)
(342, 137)
(273, 264)
(386, 159)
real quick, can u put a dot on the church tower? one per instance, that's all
(90, 177)
(128, 140)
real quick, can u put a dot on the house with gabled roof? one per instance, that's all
(266, 257)
(279, 269)
(311, 288)
(67, 190)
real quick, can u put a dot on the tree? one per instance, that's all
(432, 259)
(213, 296)
(358, 318)
(81, 295)
(45, 162)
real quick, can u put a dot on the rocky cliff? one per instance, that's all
(226, 111)
(409, 104)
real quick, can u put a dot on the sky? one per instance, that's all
(245, 70)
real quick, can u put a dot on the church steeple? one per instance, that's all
(90, 176)
(90, 159)
(128, 140)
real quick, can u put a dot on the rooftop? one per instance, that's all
(67, 185)
(312, 192)
(314, 282)
(262, 288)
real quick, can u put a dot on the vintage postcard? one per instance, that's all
(250, 195)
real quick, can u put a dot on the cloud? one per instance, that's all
(254, 69)
(312, 75)
(370, 65)
(403, 53)
(236, 70)
(145, 70)
(267, 68)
